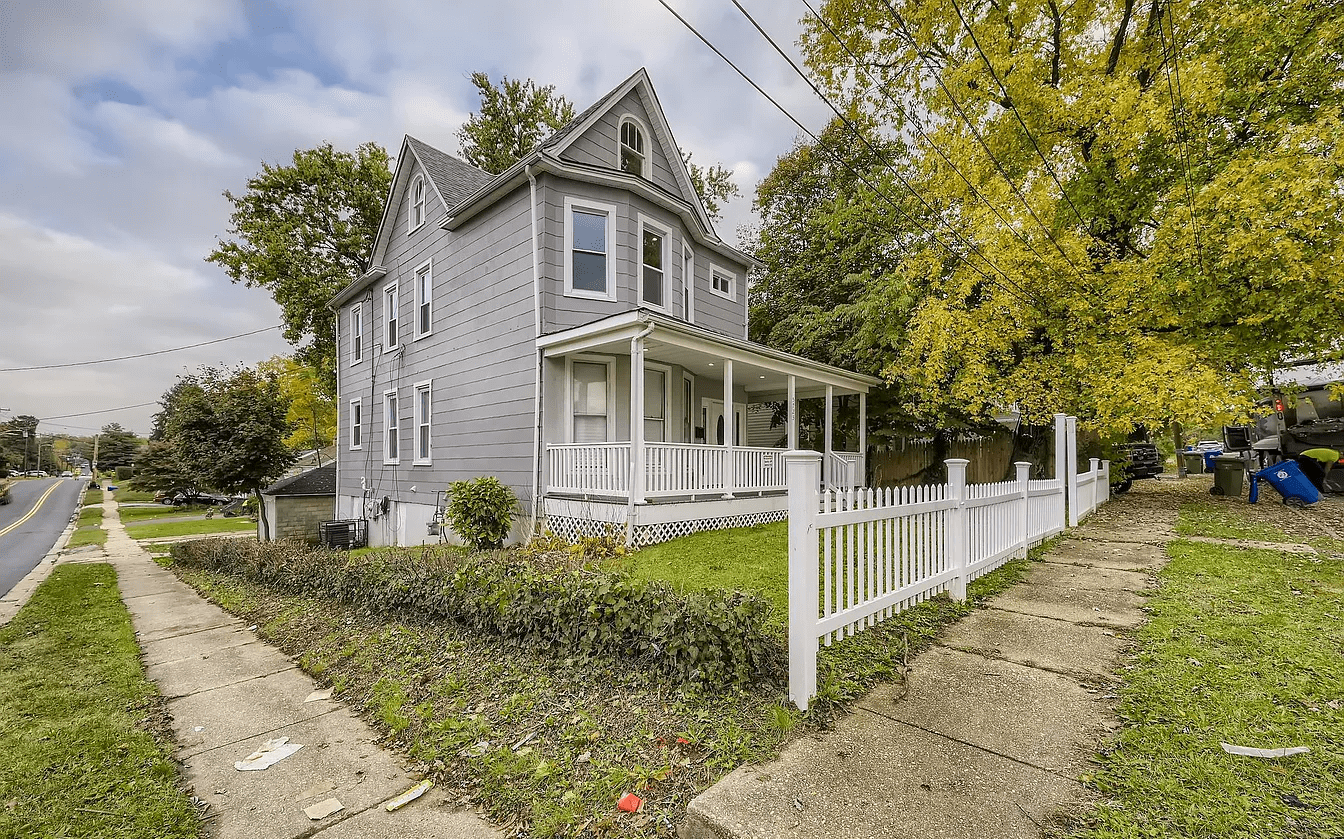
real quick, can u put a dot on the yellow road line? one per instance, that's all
(33, 511)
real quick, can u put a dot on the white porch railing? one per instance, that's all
(674, 469)
(842, 470)
(590, 468)
(857, 557)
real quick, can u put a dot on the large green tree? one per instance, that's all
(229, 427)
(513, 118)
(303, 231)
(1140, 206)
(312, 411)
(116, 447)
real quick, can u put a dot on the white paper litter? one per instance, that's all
(318, 695)
(1248, 751)
(408, 796)
(322, 809)
(270, 753)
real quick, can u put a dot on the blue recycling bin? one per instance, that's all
(1208, 459)
(1287, 478)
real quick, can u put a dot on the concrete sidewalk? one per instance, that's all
(228, 693)
(994, 726)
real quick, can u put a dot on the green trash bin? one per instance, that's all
(1229, 471)
(1194, 463)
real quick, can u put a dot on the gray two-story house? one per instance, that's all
(572, 326)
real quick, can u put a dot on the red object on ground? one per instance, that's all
(682, 741)
(630, 803)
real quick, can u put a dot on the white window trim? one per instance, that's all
(648, 144)
(426, 267)
(732, 282)
(418, 180)
(688, 410)
(645, 221)
(356, 334)
(396, 292)
(572, 204)
(392, 394)
(688, 281)
(356, 404)
(610, 363)
(417, 460)
(666, 370)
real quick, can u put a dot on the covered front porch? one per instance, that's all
(684, 444)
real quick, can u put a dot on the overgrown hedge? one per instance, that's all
(713, 638)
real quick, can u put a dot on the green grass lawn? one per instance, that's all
(1243, 647)
(1225, 521)
(93, 495)
(124, 493)
(155, 530)
(88, 528)
(77, 761)
(132, 515)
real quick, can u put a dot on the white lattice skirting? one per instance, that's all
(643, 535)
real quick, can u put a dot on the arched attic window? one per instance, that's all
(634, 154)
(417, 201)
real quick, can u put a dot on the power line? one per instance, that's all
(137, 355)
(938, 77)
(919, 130)
(103, 411)
(1013, 107)
(1174, 92)
(1025, 296)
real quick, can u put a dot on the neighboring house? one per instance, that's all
(296, 505)
(495, 333)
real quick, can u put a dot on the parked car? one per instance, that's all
(37, 473)
(1143, 460)
(67, 474)
(178, 499)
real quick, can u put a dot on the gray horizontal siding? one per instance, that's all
(598, 145)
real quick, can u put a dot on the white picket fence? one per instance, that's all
(858, 556)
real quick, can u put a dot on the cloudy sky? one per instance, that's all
(126, 119)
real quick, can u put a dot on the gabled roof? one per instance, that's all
(319, 481)
(454, 179)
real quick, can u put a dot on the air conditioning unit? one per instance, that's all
(343, 534)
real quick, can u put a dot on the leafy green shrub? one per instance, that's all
(711, 638)
(125, 473)
(481, 511)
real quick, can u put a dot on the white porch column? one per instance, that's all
(637, 421)
(792, 419)
(729, 479)
(830, 410)
(863, 440)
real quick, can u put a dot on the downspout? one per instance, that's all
(335, 507)
(541, 359)
(636, 356)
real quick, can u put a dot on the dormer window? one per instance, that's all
(417, 202)
(633, 155)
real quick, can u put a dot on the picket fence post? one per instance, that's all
(1071, 467)
(958, 546)
(1024, 487)
(802, 471)
(1095, 463)
(1106, 477)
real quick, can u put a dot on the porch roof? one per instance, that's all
(763, 370)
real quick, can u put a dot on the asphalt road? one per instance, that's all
(22, 545)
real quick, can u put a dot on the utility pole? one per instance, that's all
(93, 465)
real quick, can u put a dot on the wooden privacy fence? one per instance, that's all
(859, 556)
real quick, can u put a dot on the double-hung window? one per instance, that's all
(590, 389)
(357, 333)
(356, 424)
(391, 428)
(390, 336)
(655, 405)
(589, 266)
(424, 412)
(424, 299)
(417, 201)
(652, 259)
(688, 285)
(687, 409)
(633, 156)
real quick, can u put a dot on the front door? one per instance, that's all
(711, 415)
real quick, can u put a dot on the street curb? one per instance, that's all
(23, 589)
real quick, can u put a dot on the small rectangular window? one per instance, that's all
(357, 333)
(423, 415)
(424, 294)
(651, 256)
(356, 424)
(588, 257)
(391, 429)
(390, 316)
(721, 283)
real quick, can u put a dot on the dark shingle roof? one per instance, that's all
(570, 127)
(455, 179)
(319, 481)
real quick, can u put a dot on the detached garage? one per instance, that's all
(297, 504)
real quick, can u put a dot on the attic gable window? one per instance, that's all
(634, 157)
(417, 201)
